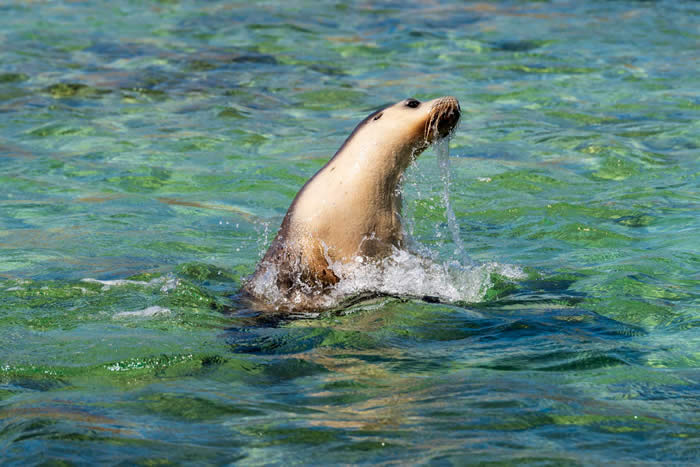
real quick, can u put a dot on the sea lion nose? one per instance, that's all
(452, 100)
(454, 103)
(449, 107)
(448, 101)
(448, 111)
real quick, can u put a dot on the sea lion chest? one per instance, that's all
(347, 210)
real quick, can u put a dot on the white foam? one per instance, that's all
(403, 273)
(410, 275)
(114, 283)
(171, 283)
(167, 283)
(149, 312)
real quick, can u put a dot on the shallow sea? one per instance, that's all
(149, 150)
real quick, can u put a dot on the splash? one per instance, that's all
(417, 272)
(403, 274)
(408, 274)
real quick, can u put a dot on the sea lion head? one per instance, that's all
(405, 129)
(426, 121)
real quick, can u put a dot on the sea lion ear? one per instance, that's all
(378, 116)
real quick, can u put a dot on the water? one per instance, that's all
(443, 153)
(148, 152)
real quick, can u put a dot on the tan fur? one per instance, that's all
(352, 206)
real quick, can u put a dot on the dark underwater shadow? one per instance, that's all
(536, 325)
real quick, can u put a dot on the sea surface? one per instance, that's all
(149, 150)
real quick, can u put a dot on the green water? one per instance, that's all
(148, 151)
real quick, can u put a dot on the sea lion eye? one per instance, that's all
(412, 103)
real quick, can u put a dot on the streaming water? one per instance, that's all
(545, 313)
(442, 148)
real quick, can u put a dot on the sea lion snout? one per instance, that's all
(445, 114)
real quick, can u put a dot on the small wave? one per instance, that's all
(167, 283)
(149, 312)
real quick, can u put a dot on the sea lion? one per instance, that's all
(350, 210)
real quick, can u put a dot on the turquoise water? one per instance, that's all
(149, 150)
